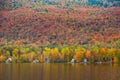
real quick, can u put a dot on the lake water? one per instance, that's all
(43, 71)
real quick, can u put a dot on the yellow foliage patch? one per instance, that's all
(15, 52)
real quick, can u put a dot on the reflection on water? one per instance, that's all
(59, 72)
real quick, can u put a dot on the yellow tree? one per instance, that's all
(54, 56)
(67, 54)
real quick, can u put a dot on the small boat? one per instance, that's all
(9, 60)
(72, 61)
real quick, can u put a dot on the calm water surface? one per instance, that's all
(27, 71)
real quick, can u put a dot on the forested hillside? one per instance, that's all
(72, 26)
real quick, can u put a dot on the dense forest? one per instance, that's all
(72, 26)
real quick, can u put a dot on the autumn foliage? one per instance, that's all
(59, 54)
(53, 25)
(60, 34)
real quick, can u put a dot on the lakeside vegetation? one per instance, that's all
(59, 54)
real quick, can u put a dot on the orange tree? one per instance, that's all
(79, 54)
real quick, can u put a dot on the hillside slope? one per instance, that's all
(61, 26)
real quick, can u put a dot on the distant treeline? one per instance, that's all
(13, 4)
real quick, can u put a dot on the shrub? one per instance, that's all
(67, 54)
(118, 43)
(31, 56)
(24, 58)
(54, 55)
(2, 58)
(15, 52)
(87, 54)
(47, 52)
(102, 53)
(94, 57)
(41, 58)
(15, 59)
(79, 56)
(7, 54)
